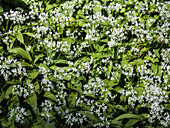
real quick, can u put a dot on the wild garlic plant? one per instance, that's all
(83, 63)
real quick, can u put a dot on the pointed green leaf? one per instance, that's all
(131, 122)
(88, 115)
(36, 86)
(29, 34)
(1, 9)
(48, 125)
(20, 37)
(22, 53)
(122, 10)
(98, 55)
(50, 96)
(8, 92)
(39, 123)
(32, 101)
(25, 64)
(145, 49)
(72, 99)
(61, 62)
(156, 51)
(154, 69)
(128, 116)
(38, 57)
(159, 71)
(117, 123)
(120, 107)
(142, 20)
(32, 75)
(151, 59)
(7, 123)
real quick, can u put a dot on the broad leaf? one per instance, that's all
(29, 34)
(32, 75)
(128, 116)
(20, 37)
(38, 57)
(8, 92)
(117, 123)
(1, 9)
(131, 122)
(20, 51)
(50, 96)
(32, 101)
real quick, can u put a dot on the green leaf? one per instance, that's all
(142, 20)
(81, 22)
(115, 122)
(128, 116)
(32, 101)
(78, 88)
(29, 34)
(104, 40)
(110, 82)
(20, 37)
(156, 51)
(156, 17)
(38, 57)
(39, 123)
(72, 19)
(122, 10)
(159, 71)
(167, 106)
(8, 92)
(50, 96)
(98, 55)
(92, 95)
(154, 69)
(37, 86)
(151, 59)
(14, 100)
(7, 123)
(32, 75)
(61, 62)
(13, 82)
(101, 48)
(149, 23)
(21, 52)
(137, 62)
(72, 99)
(25, 64)
(49, 6)
(120, 107)
(88, 115)
(82, 78)
(45, 66)
(140, 90)
(145, 49)
(48, 125)
(131, 122)
(96, 9)
(123, 98)
(1, 9)
(53, 67)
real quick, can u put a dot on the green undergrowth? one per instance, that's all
(84, 63)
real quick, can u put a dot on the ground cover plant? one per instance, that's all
(84, 63)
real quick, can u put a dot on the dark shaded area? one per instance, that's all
(13, 4)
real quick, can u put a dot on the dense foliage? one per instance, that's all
(84, 63)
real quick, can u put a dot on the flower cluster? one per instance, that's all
(23, 91)
(11, 67)
(18, 113)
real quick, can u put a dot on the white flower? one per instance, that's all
(29, 47)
